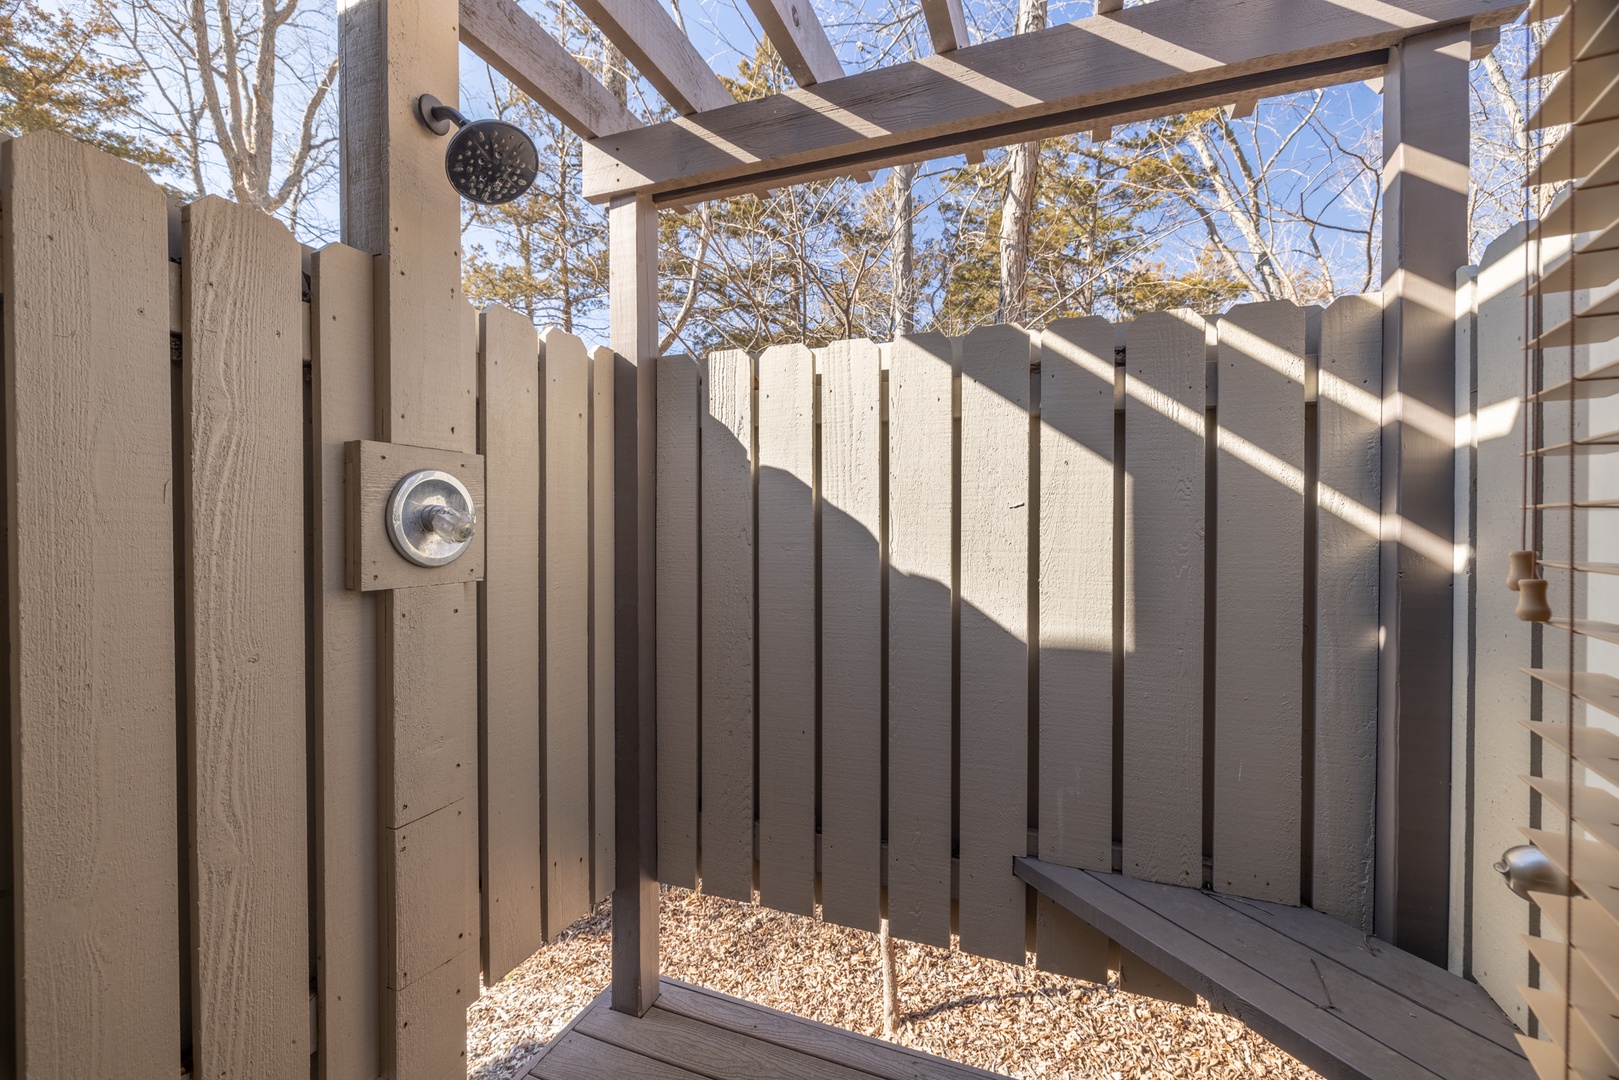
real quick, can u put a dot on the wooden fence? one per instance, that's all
(926, 607)
(213, 860)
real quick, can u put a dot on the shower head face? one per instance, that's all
(491, 162)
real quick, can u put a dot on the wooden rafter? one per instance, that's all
(792, 27)
(1152, 60)
(947, 25)
(647, 35)
(517, 46)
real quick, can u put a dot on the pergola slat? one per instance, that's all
(1151, 60)
(947, 25)
(792, 27)
(517, 46)
(647, 35)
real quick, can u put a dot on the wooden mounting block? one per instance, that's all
(371, 469)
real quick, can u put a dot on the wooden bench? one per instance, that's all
(1347, 1005)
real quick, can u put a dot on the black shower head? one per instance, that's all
(488, 161)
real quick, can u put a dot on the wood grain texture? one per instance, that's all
(728, 455)
(1501, 696)
(374, 564)
(433, 750)
(994, 657)
(396, 205)
(428, 1030)
(921, 654)
(509, 633)
(1349, 467)
(786, 628)
(660, 50)
(432, 860)
(947, 24)
(91, 705)
(1164, 395)
(566, 786)
(680, 397)
(515, 44)
(1077, 376)
(1103, 66)
(584, 1058)
(819, 1040)
(344, 623)
(633, 258)
(602, 667)
(708, 1050)
(1353, 1019)
(797, 34)
(242, 386)
(1259, 602)
(851, 633)
(1426, 128)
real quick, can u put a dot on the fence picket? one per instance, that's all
(509, 612)
(921, 653)
(851, 634)
(1077, 377)
(994, 642)
(427, 754)
(243, 472)
(680, 396)
(344, 622)
(601, 626)
(566, 720)
(1349, 423)
(786, 517)
(91, 686)
(1164, 420)
(1259, 604)
(1501, 696)
(728, 456)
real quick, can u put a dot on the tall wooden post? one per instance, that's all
(397, 205)
(633, 232)
(1425, 178)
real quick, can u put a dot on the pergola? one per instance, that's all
(1120, 66)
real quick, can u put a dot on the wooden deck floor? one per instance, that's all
(697, 1034)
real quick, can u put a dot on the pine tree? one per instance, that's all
(54, 77)
(1093, 228)
(547, 253)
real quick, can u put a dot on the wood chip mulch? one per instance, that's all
(1008, 1019)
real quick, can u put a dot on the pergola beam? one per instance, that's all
(509, 40)
(1152, 60)
(647, 35)
(792, 27)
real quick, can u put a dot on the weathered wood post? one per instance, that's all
(397, 205)
(1425, 178)
(633, 229)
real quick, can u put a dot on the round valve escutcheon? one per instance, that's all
(431, 519)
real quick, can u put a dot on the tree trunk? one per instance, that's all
(1022, 177)
(902, 258)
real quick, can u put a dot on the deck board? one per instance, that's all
(1344, 1005)
(693, 1032)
